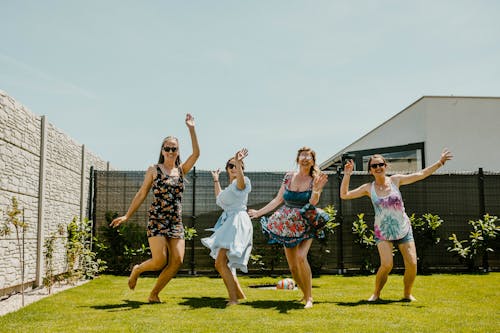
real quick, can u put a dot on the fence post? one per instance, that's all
(482, 211)
(340, 235)
(193, 219)
(41, 203)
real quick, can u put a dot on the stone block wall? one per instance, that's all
(49, 174)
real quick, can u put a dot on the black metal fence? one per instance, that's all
(456, 198)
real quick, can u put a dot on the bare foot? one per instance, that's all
(230, 303)
(132, 280)
(154, 299)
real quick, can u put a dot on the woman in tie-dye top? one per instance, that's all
(392, 225)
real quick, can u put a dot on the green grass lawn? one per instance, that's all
(446, 303)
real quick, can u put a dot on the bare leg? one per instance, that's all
(158, 246)
(227, 276)
(409, 253)
(176, 248)
(386, 262)
(290, 253)
(301, 272)
(305, 272)
(239, 292)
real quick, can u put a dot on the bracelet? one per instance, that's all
(316, 192)
(216, 181)
(440, 163)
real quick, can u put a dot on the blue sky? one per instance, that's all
(272, 76)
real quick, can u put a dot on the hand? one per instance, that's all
(215, 175)
(348, 167)
(253, 213)
(189, 120)
(241, 154)
(320, 181)
(445, 156)
(119, 220)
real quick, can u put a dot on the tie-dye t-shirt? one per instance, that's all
(391, 221)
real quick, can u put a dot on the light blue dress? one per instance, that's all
(233, 230)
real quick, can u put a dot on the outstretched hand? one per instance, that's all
(320, 181)
(119, 220)
(189, 120)
(348, 167)
(241, 154)
(215, 175)
(445, 156)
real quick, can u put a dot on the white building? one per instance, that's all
(415, 137)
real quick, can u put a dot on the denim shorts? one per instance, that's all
(405, 239)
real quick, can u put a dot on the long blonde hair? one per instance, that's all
(314, 170)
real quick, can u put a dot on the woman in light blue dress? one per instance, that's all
(231, 243)
(392, 225)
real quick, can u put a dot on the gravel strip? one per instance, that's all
(13, 303)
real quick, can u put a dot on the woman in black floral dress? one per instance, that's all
(165, 228)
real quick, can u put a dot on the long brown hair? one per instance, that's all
(314, 170)
(161, 159)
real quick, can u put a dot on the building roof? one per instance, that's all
(336, 158)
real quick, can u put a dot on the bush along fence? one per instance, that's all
(435, 206)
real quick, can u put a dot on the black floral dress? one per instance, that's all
(165, 213)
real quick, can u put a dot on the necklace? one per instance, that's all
(381, 187)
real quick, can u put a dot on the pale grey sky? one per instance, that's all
(272, 76)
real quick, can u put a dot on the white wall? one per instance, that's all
(468, 126)
(65, 191)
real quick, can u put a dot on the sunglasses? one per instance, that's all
(232, 166)
(172, 149)
(377, 165)
(305, 157)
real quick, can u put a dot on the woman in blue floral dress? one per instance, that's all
(231, 243)
(165, 229)
(287, 226)
(392, 225)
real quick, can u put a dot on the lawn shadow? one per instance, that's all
(125, 306)
(204, 302)
(281, 306)
(378, 302)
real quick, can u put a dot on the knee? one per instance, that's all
(219, 265)
(158, 264)
(411, 262)
(386, 266)
(176, 261)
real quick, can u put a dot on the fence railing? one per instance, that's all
(456, 198)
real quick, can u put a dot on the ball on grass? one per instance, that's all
(285, 284)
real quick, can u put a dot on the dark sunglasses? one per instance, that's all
(377, 165)
(172, 149)
(231, 166)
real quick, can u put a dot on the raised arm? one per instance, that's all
(191, 160)
(240, 177)
(138, 198)
(215, 176)
(344, 186)
(273, 204)
(422, 174)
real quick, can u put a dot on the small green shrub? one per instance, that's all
(365, 239)
(484, 232)
(425, 234)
